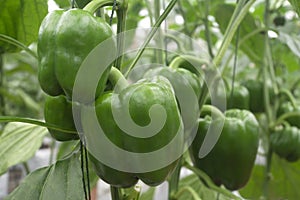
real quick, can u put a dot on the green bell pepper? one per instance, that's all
(257, 97)
(65, 39)
(239, 99)
(187, 88)
(287, 107)
(285, 142)
(231, 160)
(58, 112)
(139, 97)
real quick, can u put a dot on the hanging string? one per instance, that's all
(73, 3)
(112, 12)
(86, 196)
(234, 63)
(87, 173)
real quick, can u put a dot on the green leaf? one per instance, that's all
(203, 192)
(61, 180)
(148, 195)
(284, 181)
(20, 19)
(292, 41)
(251, 43)
(287, 60)
(18, 143)
(296, 5)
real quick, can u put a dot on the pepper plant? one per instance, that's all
(139, 92)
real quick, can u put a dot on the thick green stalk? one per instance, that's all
(151, 34)
(268, 72)
(235, 21)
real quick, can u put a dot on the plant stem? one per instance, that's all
(52, 148)
(16, 43)
(94, 5)
(115, 193)
(235, 21)
(34, 122)
(209, 182)
(289, 95)
(26, 167)
(179, 44)
(174, 181)
(121, 27)
(176, 62)
(212, 109)
(2, 103)
(282, 118)
(151, 34)
(207, 29)
(159, 39)
(150, 14)
(187, 189)
(271, 116)
(117, 79)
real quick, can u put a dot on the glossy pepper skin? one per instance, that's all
(142, 96)
(58, 111)
(287, 107)
(240, 98)
(181, 80)
(65, 39)
(285, 143)
(256, 93)
(232, 158)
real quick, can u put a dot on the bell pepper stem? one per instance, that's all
(289, 95)
(189, 190)
(212, 109)
(117, 79)
(196, 62)
(179, 44)
(282, 118)
(94, 5)
(209, 182)
(34, 122)
(115, 193)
